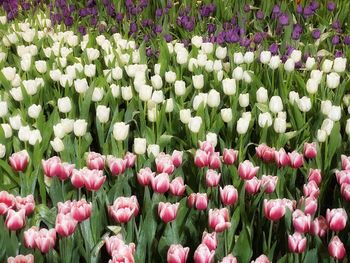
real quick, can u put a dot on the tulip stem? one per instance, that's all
(270, 235)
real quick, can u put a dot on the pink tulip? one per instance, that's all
(210, 240)
(203, 254)
(95, 161)
(345, 162)
(92, 180)
(65, 224)
(164, 163)
(319, 226)
(268, 183)
(130, 159)
(207, 146)
(176, 158)
(296, 243)
(212, 178)
(229, 259)
(228, 195)
(296, 159)
(310, 150)
(167, 211)
(123, 254)
(116, 243)
(21, 259)
(229, 156)
(214, 160)
(261, 259)
(64, 208)
(201, 159)
(282, 158)
(177, 254)
(53, 167)
(124, 208)
(345, 191)
(15, 219)
(311, 189)
(247, 170)
(315, 175)
(343, 177)
(301, 222)
(144, 176)
(81, 210)
(265, 153)
(290, 204)
(117, 166)
(30, 236)
(177, 186)
(198, 201)
(252, 186)
(7, 201)
(336, 248)
(161, 183)
(27, 203)
(336, 219)
(219, 219)
(309, 204)
(45, 240)
(274, 209)
(19, 160)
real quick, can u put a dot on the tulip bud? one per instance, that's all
(213, 98)
(261, 95)
(167, 211)
(243, 100)
(327, 65)
(177, 254)
(275, 61)
(336, 248)
(289, 65)
(170, 76)
(126, 93)
(280, 125)
(221, 52)
(140, 145)
(333, 80)
(339, 64)
(228, 195)
(276, 104)
(180, 87)
(296, 243)
(265, 57)
(120, 131)
(312, 86)
(242, 125)
(157, 82)
(102, 113)
(310, 63)
(229, 86)
(198, 81)
(265, 120)
(237, 73)
(194, 124)
(226, 114)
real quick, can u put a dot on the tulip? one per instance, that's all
(229, 86)
(198, 201)
(19, 160)
(203, 255)
(117, 166)
(228, 195)
(333, 80)
(311, 189)
(296, 159)
(153, 150)
(180, 87)
(164, 163)
(64, 105)
(95, 161)
(177, 186)
(274, 209)
(219, 219)
(29, 237)
(301, 222)
(92, 180)
(336, 219)
(268, 183)
(207, 147)
(27, 203)
(176, 158)
(343, 177)
(80, 127)
(345, 162)
(296, 243)
(45, 240)
(21, 259)
(144, 176)
(81, 210)
(247, 171)
(130, 159)
(229, 156)
(261, 259)
(242, 125)
(319, 226)
(185, 116)
(212, 178)
(161, 183)
(266, 153)
(7, 201)
(229, 259)
(252, 186)
(102, 113)
(120, 131)
(226, 114)
(282, 158)
(177, 254)
(210, 240)
(167, 211)
(53, 167)
(194, 124)
(309, 204)
(336, 248)
(345, 191)
(65, 224)
(201, 159)
(115, 243)
(15, 220)
(140, 145)
(315, 175)
(123, 209)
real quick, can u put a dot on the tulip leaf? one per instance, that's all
(243, 249)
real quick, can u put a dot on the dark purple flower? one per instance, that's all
(211, 28)
(169, 4)
(258, 38)
(347, 40)
(246, 8)
(82, 30)
(338, 54)
(133, 27)
(68, 21)
(93, 21)
(335, 40)
(276, 11)
(298, 64)
(244, 42)
(331, 6)
(308, 11)
(149, 52)
(119, 17)
(316, 33)
(168, 38)
(159, 12)
(25, 6)
(260, 15)
(158, 29)
(299, 9)
(283, 19)
(274, 48)
(314, 5)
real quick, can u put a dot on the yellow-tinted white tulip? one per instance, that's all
(2, 151)
(180, 87)
(169, 105)
(262, 95)
(265, 57)
(243, 100)
(81, 85)
(185, 116)
(79, 127)
(7, 130)
(226, 114)
(157, 82)
(347, 127)
(221, 52)
(153, 150)
(321, 135)
(140, 145)
(57, 145)
(327, 65)
(194, 124)
(120, 131)
(3, 109)
(170, 76)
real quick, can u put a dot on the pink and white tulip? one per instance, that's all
(198, 201)
(176, 158)
(229, 259)
(212, 178)
(7, 201)
(310, 150)
(282, 158)
(167, 211)
(177, 254)
(268, 183)
(203, 254)
(19, 160)
(15, 220)
(319, 226)
(336, 248)
(229, 156)
(210, 240)
(252, 186)
(21, 259)
(117, 166)
(177, 186)
(201, 159)
(161, 183)
(301, 221)
(265, 153)
(296, 159)
(247, 170)
(219, 219)
(65, 224)
(228, 195)
(124, 208)
(274, 209)
(336, 219)
(297, 243)
(164, 163)
(95, 161)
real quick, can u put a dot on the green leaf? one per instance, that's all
(243, 249)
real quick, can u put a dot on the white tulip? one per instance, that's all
(3, 109)
(339, 64)
(15, 122)
(289, 65)
(209, 66)
(145, 92)
(153, 149)
(265, 119)
(316, 75)
(67, 125)
(262, 95)
(347, 127)
(310, 63)
(217, 65)
(120, 131)
(333, 80)
(265, 57)
(200, 99)
(280, 125)
(195, 124)
(97, 94)
(180, 87)
(275, 62)
(7, 130)
(35, 137)
(136, 57)
(169, 105)
(276, 104)
(55, 74)
(3, 20)
(238, 58)
(282, 115)
(304, 104)
(327, 126)
(41, 66)
(158, 96)
(326, 106)
(327, 65)
(219, 75)
(247, 77)
(242, 125)
(57, 145)
(182, 56)
(296, 55)
(102, 113)
(243, 100)
(140, 145)
(293, 97)
(2, 151)
(126, 93)
(213, 98)
(157, 82)
(201, 59)
(73, 41)
(312, 86)
(226, 114)
(58, 130)
(335, 113)
(28, 35)
(237, 73)
(90, 70)
(192, 64)
(198, 81)
(16, 81)
(24, 133)
(152, 113)
(346, 100)
(229, 86)
(9, 73)
(185, 116)
(92, 54)
(197, 41)
(221, 52)
(212, 138)
(321, 135)
(117, 73)
(34, 111)
(80, 127)
(249, 57)
(81, 85)
(30, 86)
(47, 52)
(207, 47)
(170, 76)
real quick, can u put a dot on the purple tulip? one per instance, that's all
(335, 40)
(119, 17)
(316, 33)
(308, 11)
(260, 15)
(331, 6)
(149, 52)
(82, 30)
(314, 5)
(274, 48)
(283, 19)
(158, 29)
(211, 28)
(159, 12)
(133, 28)
(168, 38)
(338, 54)
(299, 9)
(68, 21)
(347, 40)
(246, 8)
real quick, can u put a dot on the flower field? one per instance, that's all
(174, 131)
